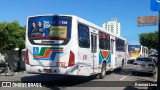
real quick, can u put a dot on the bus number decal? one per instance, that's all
(119, 55)
(84, 57)
(60, 63)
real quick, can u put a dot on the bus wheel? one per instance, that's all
(103, 71)
(155, 74)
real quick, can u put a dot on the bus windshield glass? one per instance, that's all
(134, 48)
(49, 29)
(144, 59)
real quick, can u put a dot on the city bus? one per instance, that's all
(70, 45)
(137, 51)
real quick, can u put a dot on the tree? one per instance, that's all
(149, 39)
(12, 35)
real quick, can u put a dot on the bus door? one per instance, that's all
(126, 52)
(94, 50)
(113, 53)
(85, 62)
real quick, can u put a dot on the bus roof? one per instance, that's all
(84, 22)
(137, 45)
(51, 15)
(99, 28)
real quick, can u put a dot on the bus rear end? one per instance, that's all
(134, 52)
(47, 49)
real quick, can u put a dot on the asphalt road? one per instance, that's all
(115, 80)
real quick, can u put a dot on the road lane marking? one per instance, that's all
(123, 77)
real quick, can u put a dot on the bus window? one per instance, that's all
(93, 43)
(134, 48)
(49, 30)
(104, 41)
(120, 45)
(108, 42)
(83, 36)
(112, 45)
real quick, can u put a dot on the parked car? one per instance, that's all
(130, 61)
(143, 64)
(155, 71)
(155, 59)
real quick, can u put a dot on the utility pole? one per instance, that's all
(158, 81)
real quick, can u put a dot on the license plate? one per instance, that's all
(61, 64)
(48, 70)
(142, 65)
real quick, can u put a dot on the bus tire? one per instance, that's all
(155, 74)
(103, 71)
(122, 65)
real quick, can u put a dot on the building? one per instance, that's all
(112, 26)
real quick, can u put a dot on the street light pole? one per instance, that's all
(158, 81)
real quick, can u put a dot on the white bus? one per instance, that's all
(70, 45)
(137, 51)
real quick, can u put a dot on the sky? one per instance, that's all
(95, 11)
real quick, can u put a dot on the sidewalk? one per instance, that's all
(16, 77)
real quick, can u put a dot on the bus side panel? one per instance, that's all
(85, 57)
(105, 55)
(120, 58)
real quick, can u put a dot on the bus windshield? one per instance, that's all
(49, 29)
(144, 59)
(134, 48)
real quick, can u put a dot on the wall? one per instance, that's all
(11, 57)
